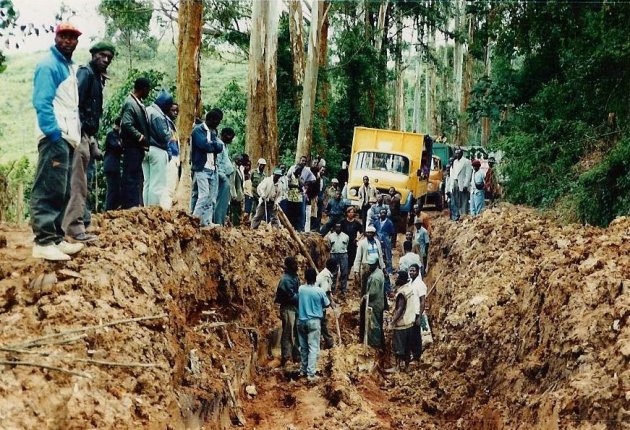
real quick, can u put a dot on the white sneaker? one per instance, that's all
(49, 252)
(69, 248)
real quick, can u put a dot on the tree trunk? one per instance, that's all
(380, 28)
(324, 82)
(432, 83)
(296, 31)
(417, 96)
(485, 120)
(458, 61)
(399, 91)
(466, 84)
(262, 103)
(188, 88)
(305, 132)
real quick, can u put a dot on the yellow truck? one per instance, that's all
(395, 159)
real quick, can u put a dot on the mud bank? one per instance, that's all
(203, 304)
(531, 330)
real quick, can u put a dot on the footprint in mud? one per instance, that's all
(289, 401)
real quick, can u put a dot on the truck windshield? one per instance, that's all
(382, 161)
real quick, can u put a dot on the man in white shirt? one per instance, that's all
(461, 174)
(269, 194)
(420, 293)
(326, 281)
(339, 253)
(409, 258)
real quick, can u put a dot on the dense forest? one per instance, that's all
(544, 82)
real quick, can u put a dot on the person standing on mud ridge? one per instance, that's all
(257, 176)
(155, 163)
(135, 134)
(312, 302)
(326, 281)
(403, 320)
(56, 101)
(236, 191)
(373, 296)
(204, 149)
(111, 167)
(420, 293)
(490, 182)
(269, 192)
(91, 79)
(461, 174)
(287, 298)
(366, 247)
(477, 185)
(225, 171)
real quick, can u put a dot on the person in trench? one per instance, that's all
(375, 295)
(287, 298)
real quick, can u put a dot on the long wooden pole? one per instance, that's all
(285, 222)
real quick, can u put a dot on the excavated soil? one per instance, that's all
(213, 290)
(529, 318)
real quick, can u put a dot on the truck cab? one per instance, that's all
(394, 159)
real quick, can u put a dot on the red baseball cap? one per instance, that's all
(66, 27)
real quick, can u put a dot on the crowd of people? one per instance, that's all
(303, 305)
(142, 167)
(466, 187)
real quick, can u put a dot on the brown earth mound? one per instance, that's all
(205, 304)
(530, 322)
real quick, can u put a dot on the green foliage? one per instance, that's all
(128, 22)
(12, 174)
(604, 191)
(559, 85)
(8, 17)
(359, 88)
(233, 102)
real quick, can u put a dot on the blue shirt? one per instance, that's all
(384, 229)
(422, 237)
(311, 302)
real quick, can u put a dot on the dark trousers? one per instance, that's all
(416, 341)
(342, 263)
(364, 215)
(236, 210)
(113, 198)
(294, 214)
(289, 345)
(132, 177)
(73, 222)
(89, 202)
(51, 190)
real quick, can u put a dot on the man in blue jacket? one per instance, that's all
(205, 147)
(56, 101)
(91, 81)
